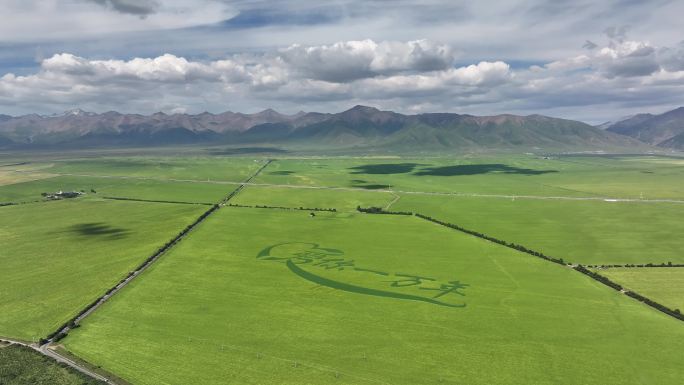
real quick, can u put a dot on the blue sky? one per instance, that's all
(587, 60)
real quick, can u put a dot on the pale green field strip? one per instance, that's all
(587, 232)
(212, 312)
(661, 284)
(195, 192)
(233, 169)
(57, 257)
(311, 198)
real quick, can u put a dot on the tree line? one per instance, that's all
(333, 210)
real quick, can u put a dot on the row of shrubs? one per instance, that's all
(63, 330)
(155, 201)
(606, 281)
(380, 210)
(284, 208)
(668, 264)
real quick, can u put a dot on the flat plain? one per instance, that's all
(230, 313)
(291, 295)
(59, 256)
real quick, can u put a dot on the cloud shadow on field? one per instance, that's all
(360, 183)
(98, 229)
(283, 172)
(386, 168)
(478, 169)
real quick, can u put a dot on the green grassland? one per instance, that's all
(23, 366)
(312, 198)
(623, 177)
(587, 232)
(663, 285)
(232, 169)
(194, 192)
(239, 302)
(57, 257)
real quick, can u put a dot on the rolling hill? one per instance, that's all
(358, 127)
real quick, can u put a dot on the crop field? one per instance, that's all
(587, 232)
(233, 169)
(661, 284)
(160, 190)
(318, 300)
(294, 292)
(618, 177)
(57, 257)
(340, 200)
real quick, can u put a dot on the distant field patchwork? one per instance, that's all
(308, 290)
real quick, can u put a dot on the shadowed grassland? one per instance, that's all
(588, 232)
(663, 285)
(227, 307)
(311, 198)
(23, 366)
(57, 257)
(195, 192)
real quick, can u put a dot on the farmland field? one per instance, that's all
(259, 296)
(588, 232)
(665, 285)
(56, 257)
(312, 198)
(295, 296)
(193, 192)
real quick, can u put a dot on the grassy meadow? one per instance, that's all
(269, 295)
(260, 296)
(617, 177)
(192, 192)
(587, 232)
(57, 257)
(341, 200)
(663, 285)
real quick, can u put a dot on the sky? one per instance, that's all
(588, 60)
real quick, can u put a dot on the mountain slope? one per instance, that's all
(359, 126)
(664, 130)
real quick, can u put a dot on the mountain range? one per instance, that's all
(359, 127)
(664, 130)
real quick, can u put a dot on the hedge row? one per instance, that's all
(284, 208)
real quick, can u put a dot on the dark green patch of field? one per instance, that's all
(23, 366)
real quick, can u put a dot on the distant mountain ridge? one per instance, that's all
(663, 130)
(360, 126)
